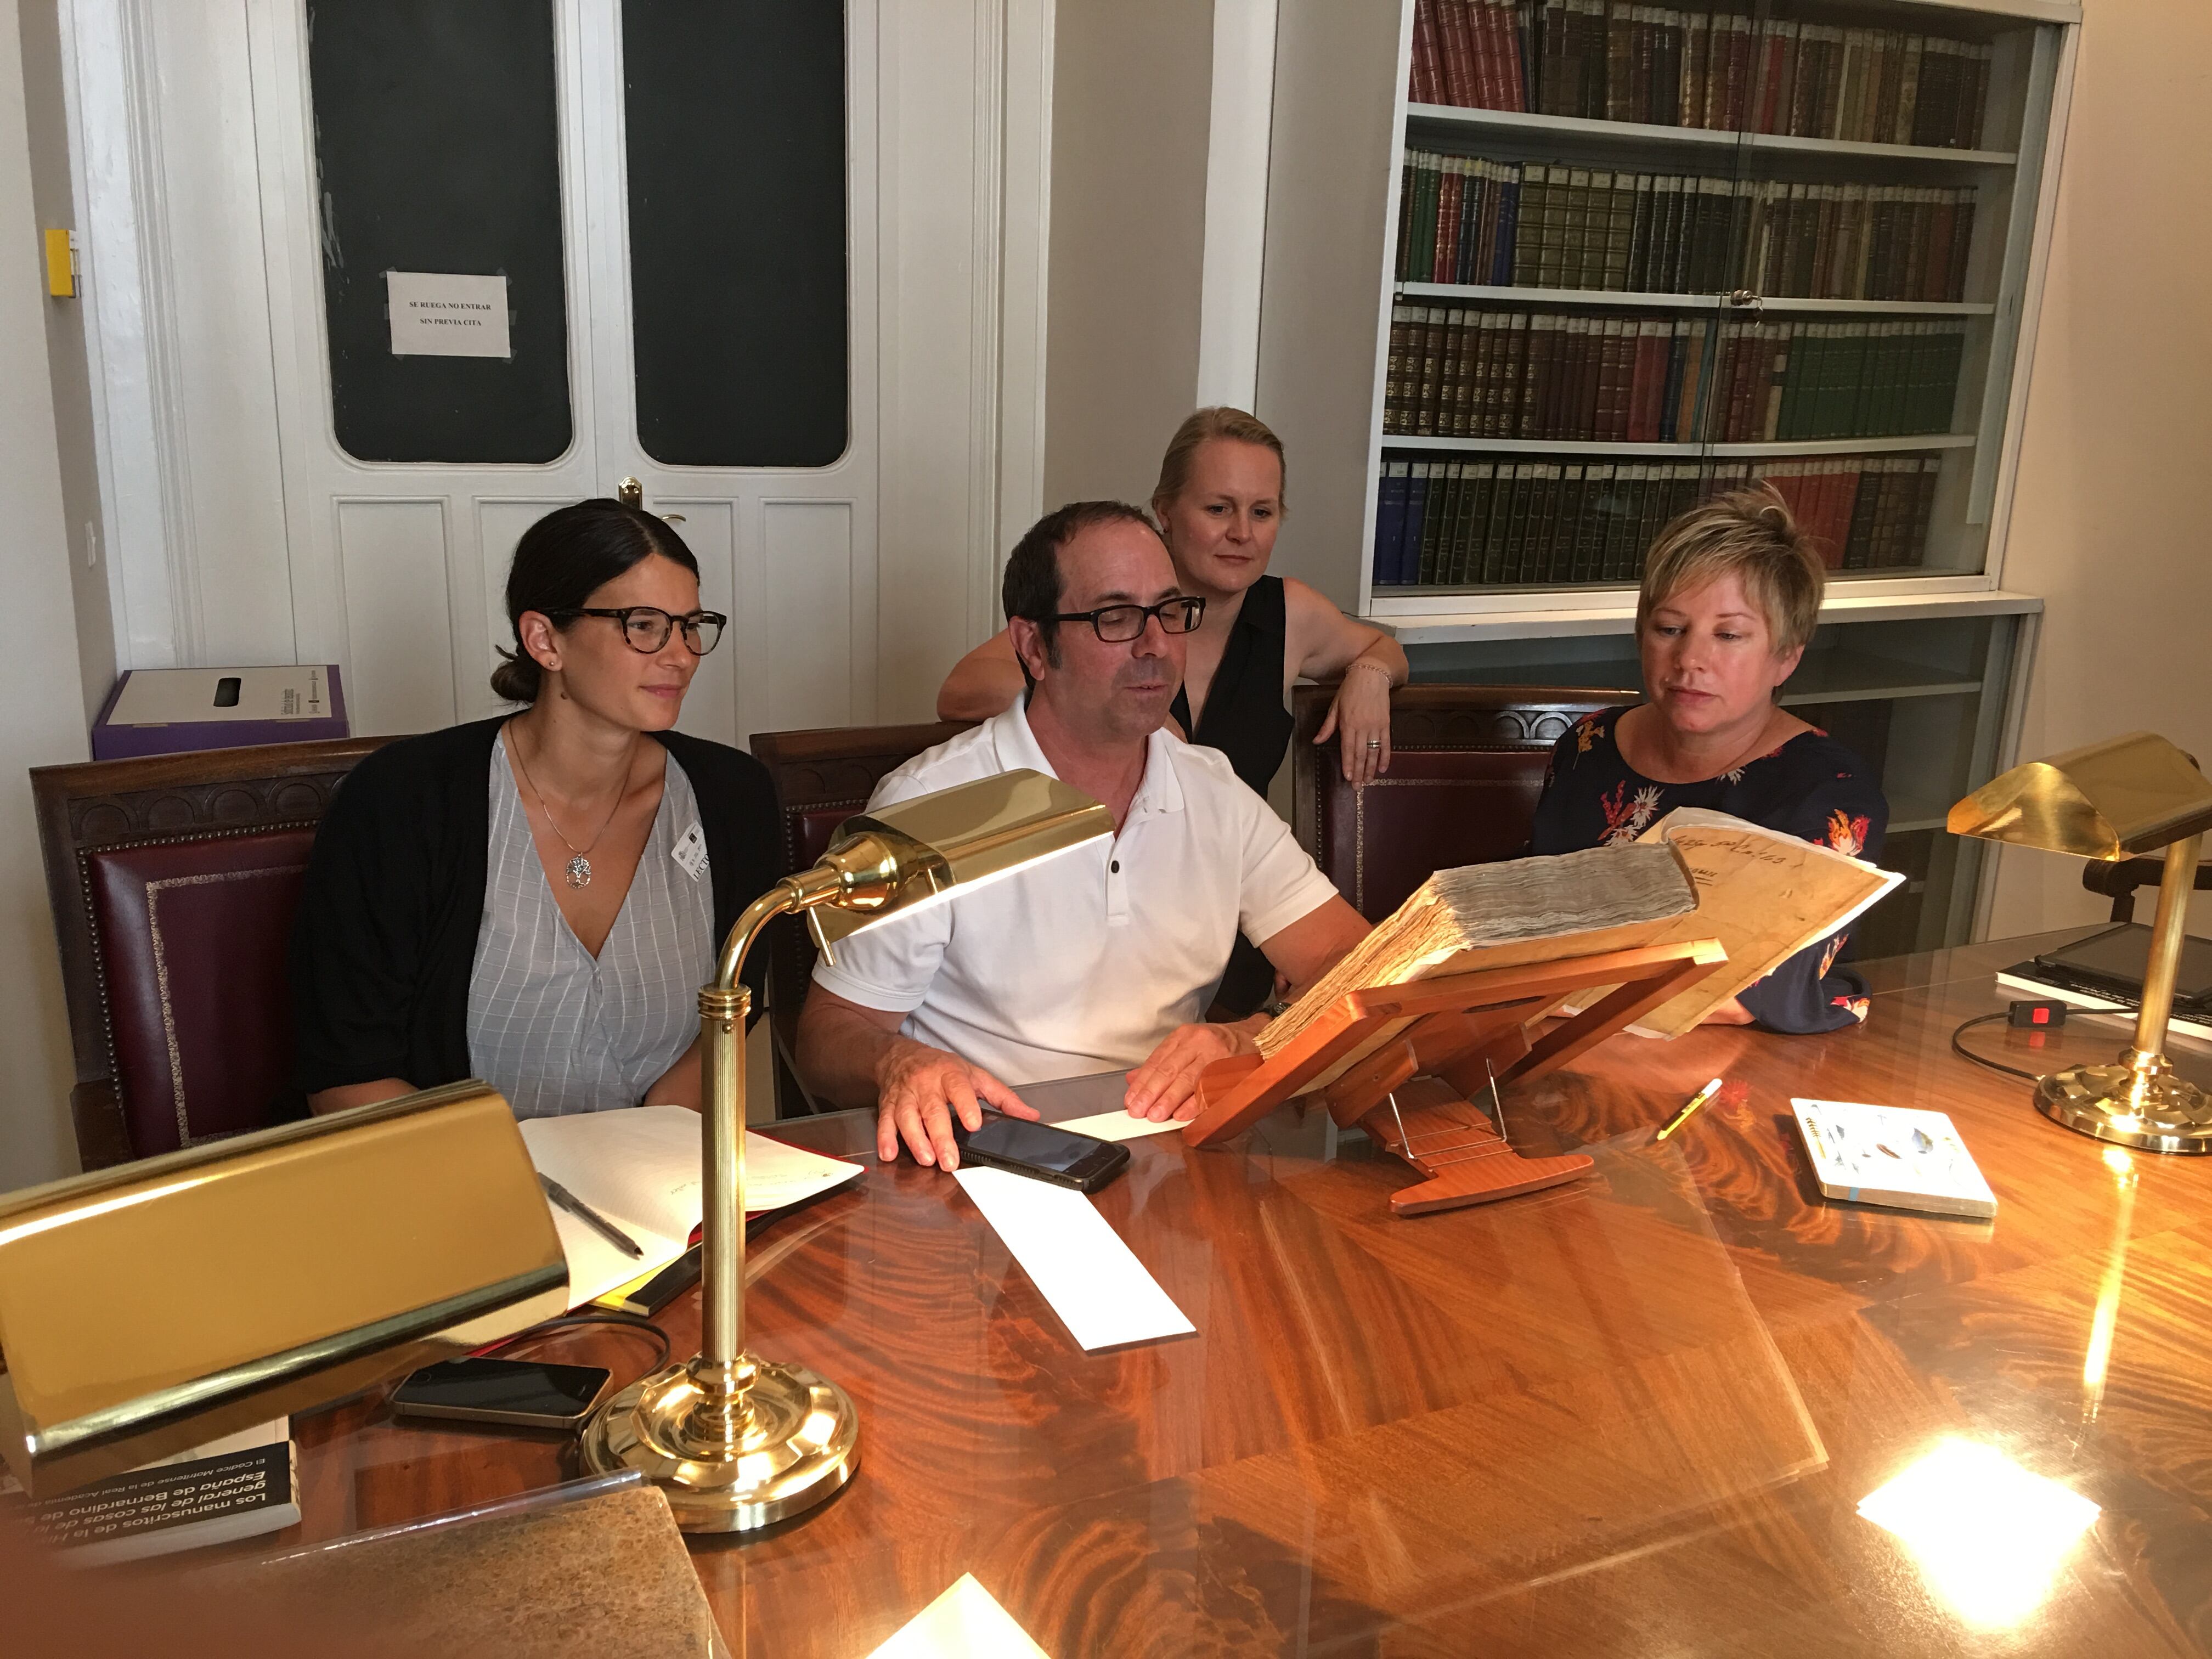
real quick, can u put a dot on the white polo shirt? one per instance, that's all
(1083, 963)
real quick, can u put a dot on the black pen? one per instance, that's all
(591, 1217)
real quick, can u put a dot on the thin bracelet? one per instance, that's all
(1362, 662)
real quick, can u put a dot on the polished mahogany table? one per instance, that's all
(1632, 1415)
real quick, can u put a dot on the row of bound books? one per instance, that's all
(1456, 373)
(1480, 523)
(1513, 224)
(1784, 382)
(1611, 60)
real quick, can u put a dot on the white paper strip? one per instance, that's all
(1099, 1289)
(966, 1622)
(1118, 1126)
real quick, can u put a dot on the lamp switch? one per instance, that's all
(2039, 1014)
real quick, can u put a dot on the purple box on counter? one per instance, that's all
(165, 711)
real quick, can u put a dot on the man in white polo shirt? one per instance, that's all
(1103, 958)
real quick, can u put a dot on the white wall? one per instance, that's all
(1132, 99)
(2109, 522)
(53, 200)
(42, 714)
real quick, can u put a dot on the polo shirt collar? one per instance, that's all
(1016, 745)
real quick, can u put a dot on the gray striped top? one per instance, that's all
(549, 1027)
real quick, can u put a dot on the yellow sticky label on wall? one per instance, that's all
(61, 267)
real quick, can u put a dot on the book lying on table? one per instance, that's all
(239, 1486)
(1765, 894)
(1889, 1155)
(640, 1168)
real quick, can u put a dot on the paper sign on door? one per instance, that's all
(434, 314)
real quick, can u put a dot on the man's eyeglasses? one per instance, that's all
(1117, 624)
(646, 628)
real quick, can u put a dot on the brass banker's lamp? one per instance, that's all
(2113, 800)
(738, 1443)
(158, 1304)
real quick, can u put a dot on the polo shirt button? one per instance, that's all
(1115, 867)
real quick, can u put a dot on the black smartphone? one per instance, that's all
(517, 1391)
(1059, 1156)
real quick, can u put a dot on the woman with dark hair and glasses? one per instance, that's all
(536, 899)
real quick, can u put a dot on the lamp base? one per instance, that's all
(2138, 1102)
(734, 1452)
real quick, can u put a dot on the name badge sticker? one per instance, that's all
(692, 853)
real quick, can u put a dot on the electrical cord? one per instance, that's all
(568, 1321)
(1965, 1053)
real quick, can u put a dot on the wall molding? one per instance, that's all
(113, 95)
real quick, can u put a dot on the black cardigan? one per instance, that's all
(387, 936)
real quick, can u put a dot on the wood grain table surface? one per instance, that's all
(1633, 1415)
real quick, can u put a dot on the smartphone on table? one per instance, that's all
(1059, 1156)
(524, 1393)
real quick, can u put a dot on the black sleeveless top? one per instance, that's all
(1245, 716)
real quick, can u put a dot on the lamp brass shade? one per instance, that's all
(151, 1307)
(957, 838)
(2112, 799)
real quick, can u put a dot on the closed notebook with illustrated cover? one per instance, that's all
(240, 1486)
(1892, 1156)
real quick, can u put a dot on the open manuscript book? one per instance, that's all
(1694, 875)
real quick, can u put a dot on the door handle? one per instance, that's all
(630, 493)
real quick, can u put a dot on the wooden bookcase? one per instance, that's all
(1920, 659)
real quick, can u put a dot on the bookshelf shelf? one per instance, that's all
(1395, 441)
(1839, 674)
(1473, 292)
(1588, 137)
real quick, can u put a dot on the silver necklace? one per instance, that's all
(579, 867)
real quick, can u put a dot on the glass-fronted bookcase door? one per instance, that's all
(1639, 253)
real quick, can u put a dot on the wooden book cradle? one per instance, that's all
(1441, 1041)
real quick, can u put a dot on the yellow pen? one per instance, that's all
(1683, 1117)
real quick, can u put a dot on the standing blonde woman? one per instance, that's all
(1220, 502)
(1731, 594)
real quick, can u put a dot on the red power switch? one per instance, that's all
(2036, 1015)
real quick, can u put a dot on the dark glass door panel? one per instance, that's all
(437, 151)
(735, 118)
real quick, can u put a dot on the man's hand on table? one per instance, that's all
(918, 1088)
(1166, 1084)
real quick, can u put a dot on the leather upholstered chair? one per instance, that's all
(1466, 764)
(822, 778)
(174, 880)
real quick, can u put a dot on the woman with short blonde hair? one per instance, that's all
(1731, 595)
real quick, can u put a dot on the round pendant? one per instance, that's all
(580, 872)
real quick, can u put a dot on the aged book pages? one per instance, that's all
(1504, 916)
(1765, 895)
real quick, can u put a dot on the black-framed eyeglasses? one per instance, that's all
(1117, 624)
(646, 627)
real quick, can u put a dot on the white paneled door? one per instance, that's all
(397, 569)
(242, 530)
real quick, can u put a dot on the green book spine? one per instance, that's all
(1491, 571)
(1466, 548)
(1517, 526)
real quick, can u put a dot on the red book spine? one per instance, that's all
(1645, 387)
(1421, 87)
(1449, 191)
(1509, 33)
(1459, 67)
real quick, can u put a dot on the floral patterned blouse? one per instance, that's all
(1812, 786)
